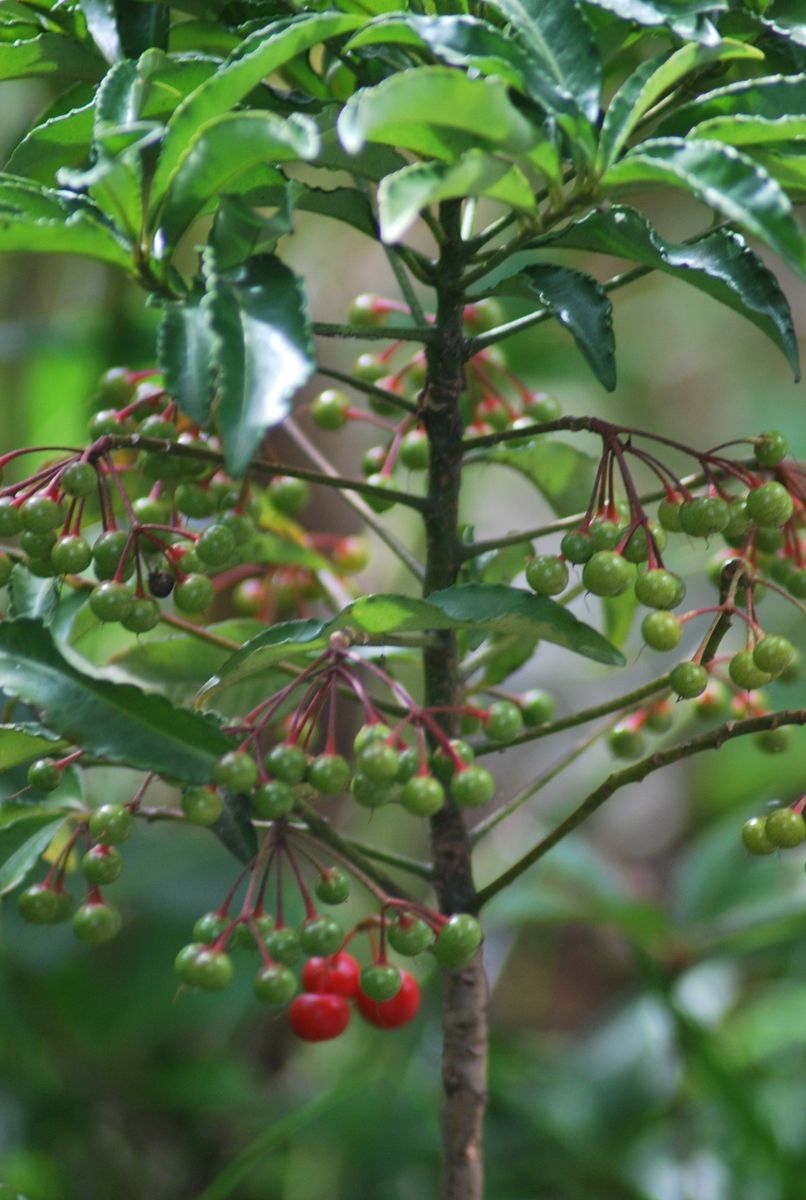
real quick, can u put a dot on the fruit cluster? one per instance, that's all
(781, 829)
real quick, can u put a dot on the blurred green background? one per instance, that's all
(649, 981)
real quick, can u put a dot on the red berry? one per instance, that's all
(318, 1017)
(392, 1014)
(337, 975)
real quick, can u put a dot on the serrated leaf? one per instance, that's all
(234, 827)
(558, 35)
(185, 343)
(115, 721)
(258, 56)
(652, 80)
(31, 596)
(562, 473)
(222, 152)
(60, 141)
(78, 235)
(723, 178)
(23, 845)
(49, 54)
(437, 111)
(720, 264)
(770, 97)
(263, 353)
(239, 231)
(402, 196)
(25, 740)
(485, 609)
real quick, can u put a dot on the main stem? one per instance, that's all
(464, 1059)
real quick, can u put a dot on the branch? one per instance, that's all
(369, 389)
(381, 333)
(712, 740)
(323, 831)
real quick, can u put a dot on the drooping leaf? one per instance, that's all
(722, 178)
(263, 353)
(562, 473)
(185, 345)
(770, 98)
(402, 196)
(258, 56)
(559, 37)
(652, 80)
(224, 150)
(436, 111)
(720, 263)
(115, 721)
(22, 845)
(483, 608)
(234, 827)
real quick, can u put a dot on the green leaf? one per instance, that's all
(60, 141)
(619, 614)
(769, 98)
(485, 609)
(22, 845)
(562, 473)
(720, 263)
(222, 152)
(77, 234)
(32, 596)
(101, 23)
(581, 305)
(185, 345)
(558, 35)
(402, 196)
(263, 353)
(49, 54)
(23, 741)
(183, 658)
(234, 827)
(240, 232)
(115, 721)
(722, 178)
(649, 82)
(261, 54)
(659, 12)
(437, 111)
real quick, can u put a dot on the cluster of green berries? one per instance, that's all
(781, 829)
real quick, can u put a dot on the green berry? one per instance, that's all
(661, 630)
(287, 763)
(414, 450)
(408, 764)
(607, 574)
(368, 311)
(111, 601)
(143, 615)
(329, 774)
(38, 545)
(289, 495)
(605, 534)
(444, 765)
(101, 864)
(194, 594)
(378, 761)
(704, 516)
(79, 479)
(107, 554)
(547, 575)
(773, 654)
(370, 733)
(785, 828)
(96, 922)
(208, 927)
(669, 515)
(774, 741)
(350, 555)
(40, 514)
(215, 545)
(688, 680)
(472, 786)
(381, 982)
(45, 775)
(770, 448)
(320, 935)
(371, 794)
(283, 945)
(423, 795)
(155, 426)
(483, 315)
(192, 500)
(10, 517)
(744, 672)
(240, 526)
(236, 771)
(577, 547)
(769, 505)
(542, 407)
(71, 554)
(202, 805)
(44, 905)
(457, 941)
(504, 721)
(660, 717)
(329, 410)
(275, 985)
(272, 800)
(409, 935)
(111, 824)
(373, 459)
(208, 970)
(660, 589)
(739, 523)
(369, 368)
(625, 742)
(380, 504)
(537, 707)
(637, 548)
(116, 387)
(332, 886)
(754, 836)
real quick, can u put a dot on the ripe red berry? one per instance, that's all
(318, 1017)
(392, 1014)
(337, 974)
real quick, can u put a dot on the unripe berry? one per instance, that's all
(547, 575)
(785, 828)
(688, 680)
(329, 774)
(605, 534)
(194, 594)
(409, 935)
(380, 504)
(770, 505)
(378, 761)
(370, 733)
(10, 518)
(45, 775)
(773, 654)
(71, 554)
(537, 707)
(577, 547)
(287, 763)
(329, 409)
(275, 985)
(44, 905)
(143, 615)
(704, 516)
(236, 771)
(101, 864)
(504, 721)
(770, 448)
(607, 574)
(744, 672)
(96, 922)
(320, 935)
(111, 601)
(350, 555)
(472, 787)
(542, 407)
(202, 805)
(215, 545)
(288, 494)
(208, 970)
(660, 589)
(661, 630)
(444, 765)
(40, 514)
(625, 742)
(208, 927)
(107, 554)
(79, 479)
(272, 800)
(371, 794)
(414, 450)
(332, 886)
(423, 795)
(754, 836)
(283, 945)
(773, 741)
(457, 941)
(381, 981)
(368, 311)
(637, 548)
(111, 824)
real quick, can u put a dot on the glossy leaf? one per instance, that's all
(263, 353)
(660, 12)
(437, 111)
(581, 305)
(402, 196)
(652, 80)
(483, 608)
(31, 596)
(240, 230)
(770, 98)
(23, 741)
(223, 152)
(22, 846)
(722, 178)
(720, 263)
(59, 141)
(114, 721)
(49, 54)
(181, 658)
(559, 37)
(234, 827)
(562, 473)
(258, 56)
(185, 345)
